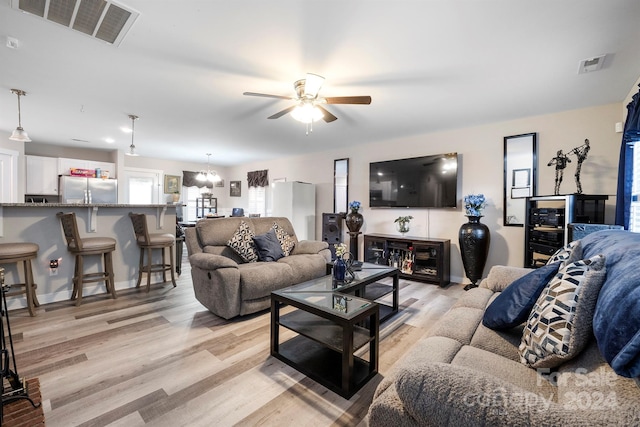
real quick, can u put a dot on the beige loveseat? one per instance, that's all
(465, 374)
(229, 286)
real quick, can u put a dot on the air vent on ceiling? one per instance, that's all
(591, 64)
(102, 19)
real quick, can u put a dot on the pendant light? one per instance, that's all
(132, 147)
(19, 134)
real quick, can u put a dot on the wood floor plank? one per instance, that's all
(161, 359)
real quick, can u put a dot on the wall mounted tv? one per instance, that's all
(418, 182)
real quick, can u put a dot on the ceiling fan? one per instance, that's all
(308, 105)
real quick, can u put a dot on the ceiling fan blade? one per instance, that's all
(327, 116)
(348, 100)
(282, 113)
(266, 95)
(312, 85)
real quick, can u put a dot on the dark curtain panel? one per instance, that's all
(189, 180)
(630, 135)
(258, 178)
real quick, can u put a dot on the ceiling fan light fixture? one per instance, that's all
(312, 85)
(307, 113)
(132, 147)
(19, 134)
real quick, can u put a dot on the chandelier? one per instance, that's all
(209, 175)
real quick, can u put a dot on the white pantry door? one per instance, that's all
(8, 176)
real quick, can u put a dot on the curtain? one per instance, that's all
(189, 180)
(630, 135)
(258, 178)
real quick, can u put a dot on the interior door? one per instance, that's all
(8, 176)
(141, 186)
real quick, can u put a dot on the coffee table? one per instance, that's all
(332, 321)
(330, 327)
(365, 285)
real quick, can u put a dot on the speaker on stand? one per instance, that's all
(332, 231)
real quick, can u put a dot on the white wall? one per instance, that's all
(480, 152)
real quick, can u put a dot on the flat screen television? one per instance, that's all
(418, 182)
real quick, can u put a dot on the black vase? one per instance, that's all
(474, 239)
(354, 221)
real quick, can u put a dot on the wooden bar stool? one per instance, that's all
(147, 242)
(14, 253)
(87, 246)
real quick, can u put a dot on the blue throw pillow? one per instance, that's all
(268, 246)
(513, 305)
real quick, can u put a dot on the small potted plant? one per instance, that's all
(402, 223)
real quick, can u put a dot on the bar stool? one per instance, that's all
(14, 253)
(147, 242)
(87, 246)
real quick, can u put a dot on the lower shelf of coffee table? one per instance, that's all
(323, 364)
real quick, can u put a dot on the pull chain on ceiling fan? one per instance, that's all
(307, 108)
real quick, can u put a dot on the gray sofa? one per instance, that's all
(465, 374)
(230, 287)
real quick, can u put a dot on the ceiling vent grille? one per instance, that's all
(101, 19)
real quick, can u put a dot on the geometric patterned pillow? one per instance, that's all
(286, 241)
(563, 254)
(242, 243)
(561, 322)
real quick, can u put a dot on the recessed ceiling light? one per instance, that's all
(125, 129)
(110, 140)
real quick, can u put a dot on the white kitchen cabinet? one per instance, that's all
(64, 165)
(42, 175)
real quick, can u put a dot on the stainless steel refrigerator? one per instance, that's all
(77, 189)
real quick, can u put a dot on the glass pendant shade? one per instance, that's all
(307, 113)
(19, 135)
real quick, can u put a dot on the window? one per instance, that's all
(258, 201)
(192, 193)
(634, 217)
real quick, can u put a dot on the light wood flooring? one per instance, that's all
(161, 359)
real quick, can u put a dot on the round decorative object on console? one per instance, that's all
(474, 240)
(402, 227)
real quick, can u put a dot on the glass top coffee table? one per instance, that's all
(330, 327)
(365, 285)
(332, 321)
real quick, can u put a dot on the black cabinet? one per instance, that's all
(417, 258)
(547, 220)
(206, 206)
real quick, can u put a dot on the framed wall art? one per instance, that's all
(171, 184)
(234, 189)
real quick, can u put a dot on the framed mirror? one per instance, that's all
(340, 185)
(520, 176)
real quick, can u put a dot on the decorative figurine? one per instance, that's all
(581, 153)
(560, 161)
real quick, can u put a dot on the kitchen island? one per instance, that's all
(37, 223)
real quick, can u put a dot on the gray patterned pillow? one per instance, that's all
(286, 241)
(560, 324)
(242, 243)
(570, 252)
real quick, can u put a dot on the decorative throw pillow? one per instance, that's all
(566, 253)
(513, 305)
(242, 243)
(268, 246)
(286, 241)
(560, 323)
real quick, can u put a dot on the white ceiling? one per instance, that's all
(428, 65)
